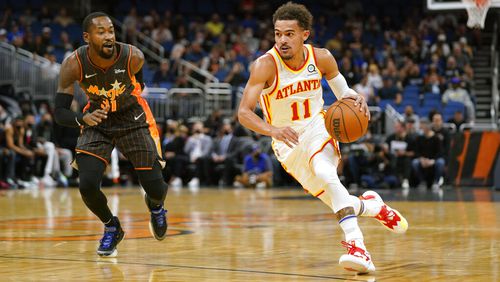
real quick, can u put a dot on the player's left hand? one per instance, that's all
(359, 100)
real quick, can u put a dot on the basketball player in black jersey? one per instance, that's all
(110, 74)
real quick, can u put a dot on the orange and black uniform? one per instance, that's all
(130, 124)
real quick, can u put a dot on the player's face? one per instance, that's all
(289, 38)
(101, 37)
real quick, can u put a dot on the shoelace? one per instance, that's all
(107, 239)
(159, 216)
(352, 249)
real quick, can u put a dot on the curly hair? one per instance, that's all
(293, 11)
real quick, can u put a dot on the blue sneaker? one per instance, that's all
(158, 223)
(112, 236)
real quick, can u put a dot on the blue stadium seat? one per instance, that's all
(36, 4)
(167, 85)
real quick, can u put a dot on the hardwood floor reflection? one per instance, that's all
(241, 235)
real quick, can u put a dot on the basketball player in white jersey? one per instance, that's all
(286, 81)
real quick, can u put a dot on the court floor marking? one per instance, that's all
(188, 267)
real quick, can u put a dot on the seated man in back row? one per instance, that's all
(257, 170)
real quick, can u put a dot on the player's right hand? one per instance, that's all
(286, 134)
(96, 117)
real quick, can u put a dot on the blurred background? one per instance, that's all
(431, 83)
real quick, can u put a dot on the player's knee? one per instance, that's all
(325, 171)
(153, 183)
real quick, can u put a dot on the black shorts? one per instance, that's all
(133, 132)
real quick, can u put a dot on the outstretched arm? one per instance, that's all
(329, 68)
(262, 71)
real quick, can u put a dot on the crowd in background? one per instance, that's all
(378, 54)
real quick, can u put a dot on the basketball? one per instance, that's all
(345, 122)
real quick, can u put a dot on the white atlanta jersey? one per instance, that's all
(295, 99)
(296, 96)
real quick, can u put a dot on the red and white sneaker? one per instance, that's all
(357, 258)
(388, 217)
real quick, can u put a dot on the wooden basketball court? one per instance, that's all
(247, 235)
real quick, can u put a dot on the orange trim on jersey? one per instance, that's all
(80, 64)
(268, 108)
(276, 76)
(92, 154)
(87, 106)
(321, 149)
(128, 61)
(153, 130)
(319, 194)
(264, 109)
(143, 168)
(299, 69)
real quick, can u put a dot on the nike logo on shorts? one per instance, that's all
(89, 76)
(137, 117)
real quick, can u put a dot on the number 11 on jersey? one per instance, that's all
(295, 110)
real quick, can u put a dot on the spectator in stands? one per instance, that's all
(461, 58)
(195, 53)
(162, 33)
(365, 90)
(457, 119)
(3, 35)
(441, 47)
(45, 151)
(452, 70)
(428, 165)
(213, 123)
(177, 160)
(214, 26)
(401, 151)
(198, 148)
(25, 158)
(45, 17)
(457, 94)
(442, 133)
(433, 82)
(7, 156)
(409, 114)
(163, 76)
(63, 18)
(257, 170)
(62, 169)
(389, 91)
(223, 158)
(374, 77)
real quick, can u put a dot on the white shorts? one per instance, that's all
(297, 161)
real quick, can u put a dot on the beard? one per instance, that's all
(105, 55)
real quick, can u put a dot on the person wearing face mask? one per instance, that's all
(197, 148)
(220, 165)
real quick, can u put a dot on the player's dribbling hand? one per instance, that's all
(96, 117)
(359, 100)
(287, 135)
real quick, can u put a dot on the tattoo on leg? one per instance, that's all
(345, 212)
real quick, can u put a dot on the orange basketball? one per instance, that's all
(345, 122)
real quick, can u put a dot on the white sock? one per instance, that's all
(349, 225)
(370, 208)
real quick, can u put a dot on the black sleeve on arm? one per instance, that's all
(63, 114)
